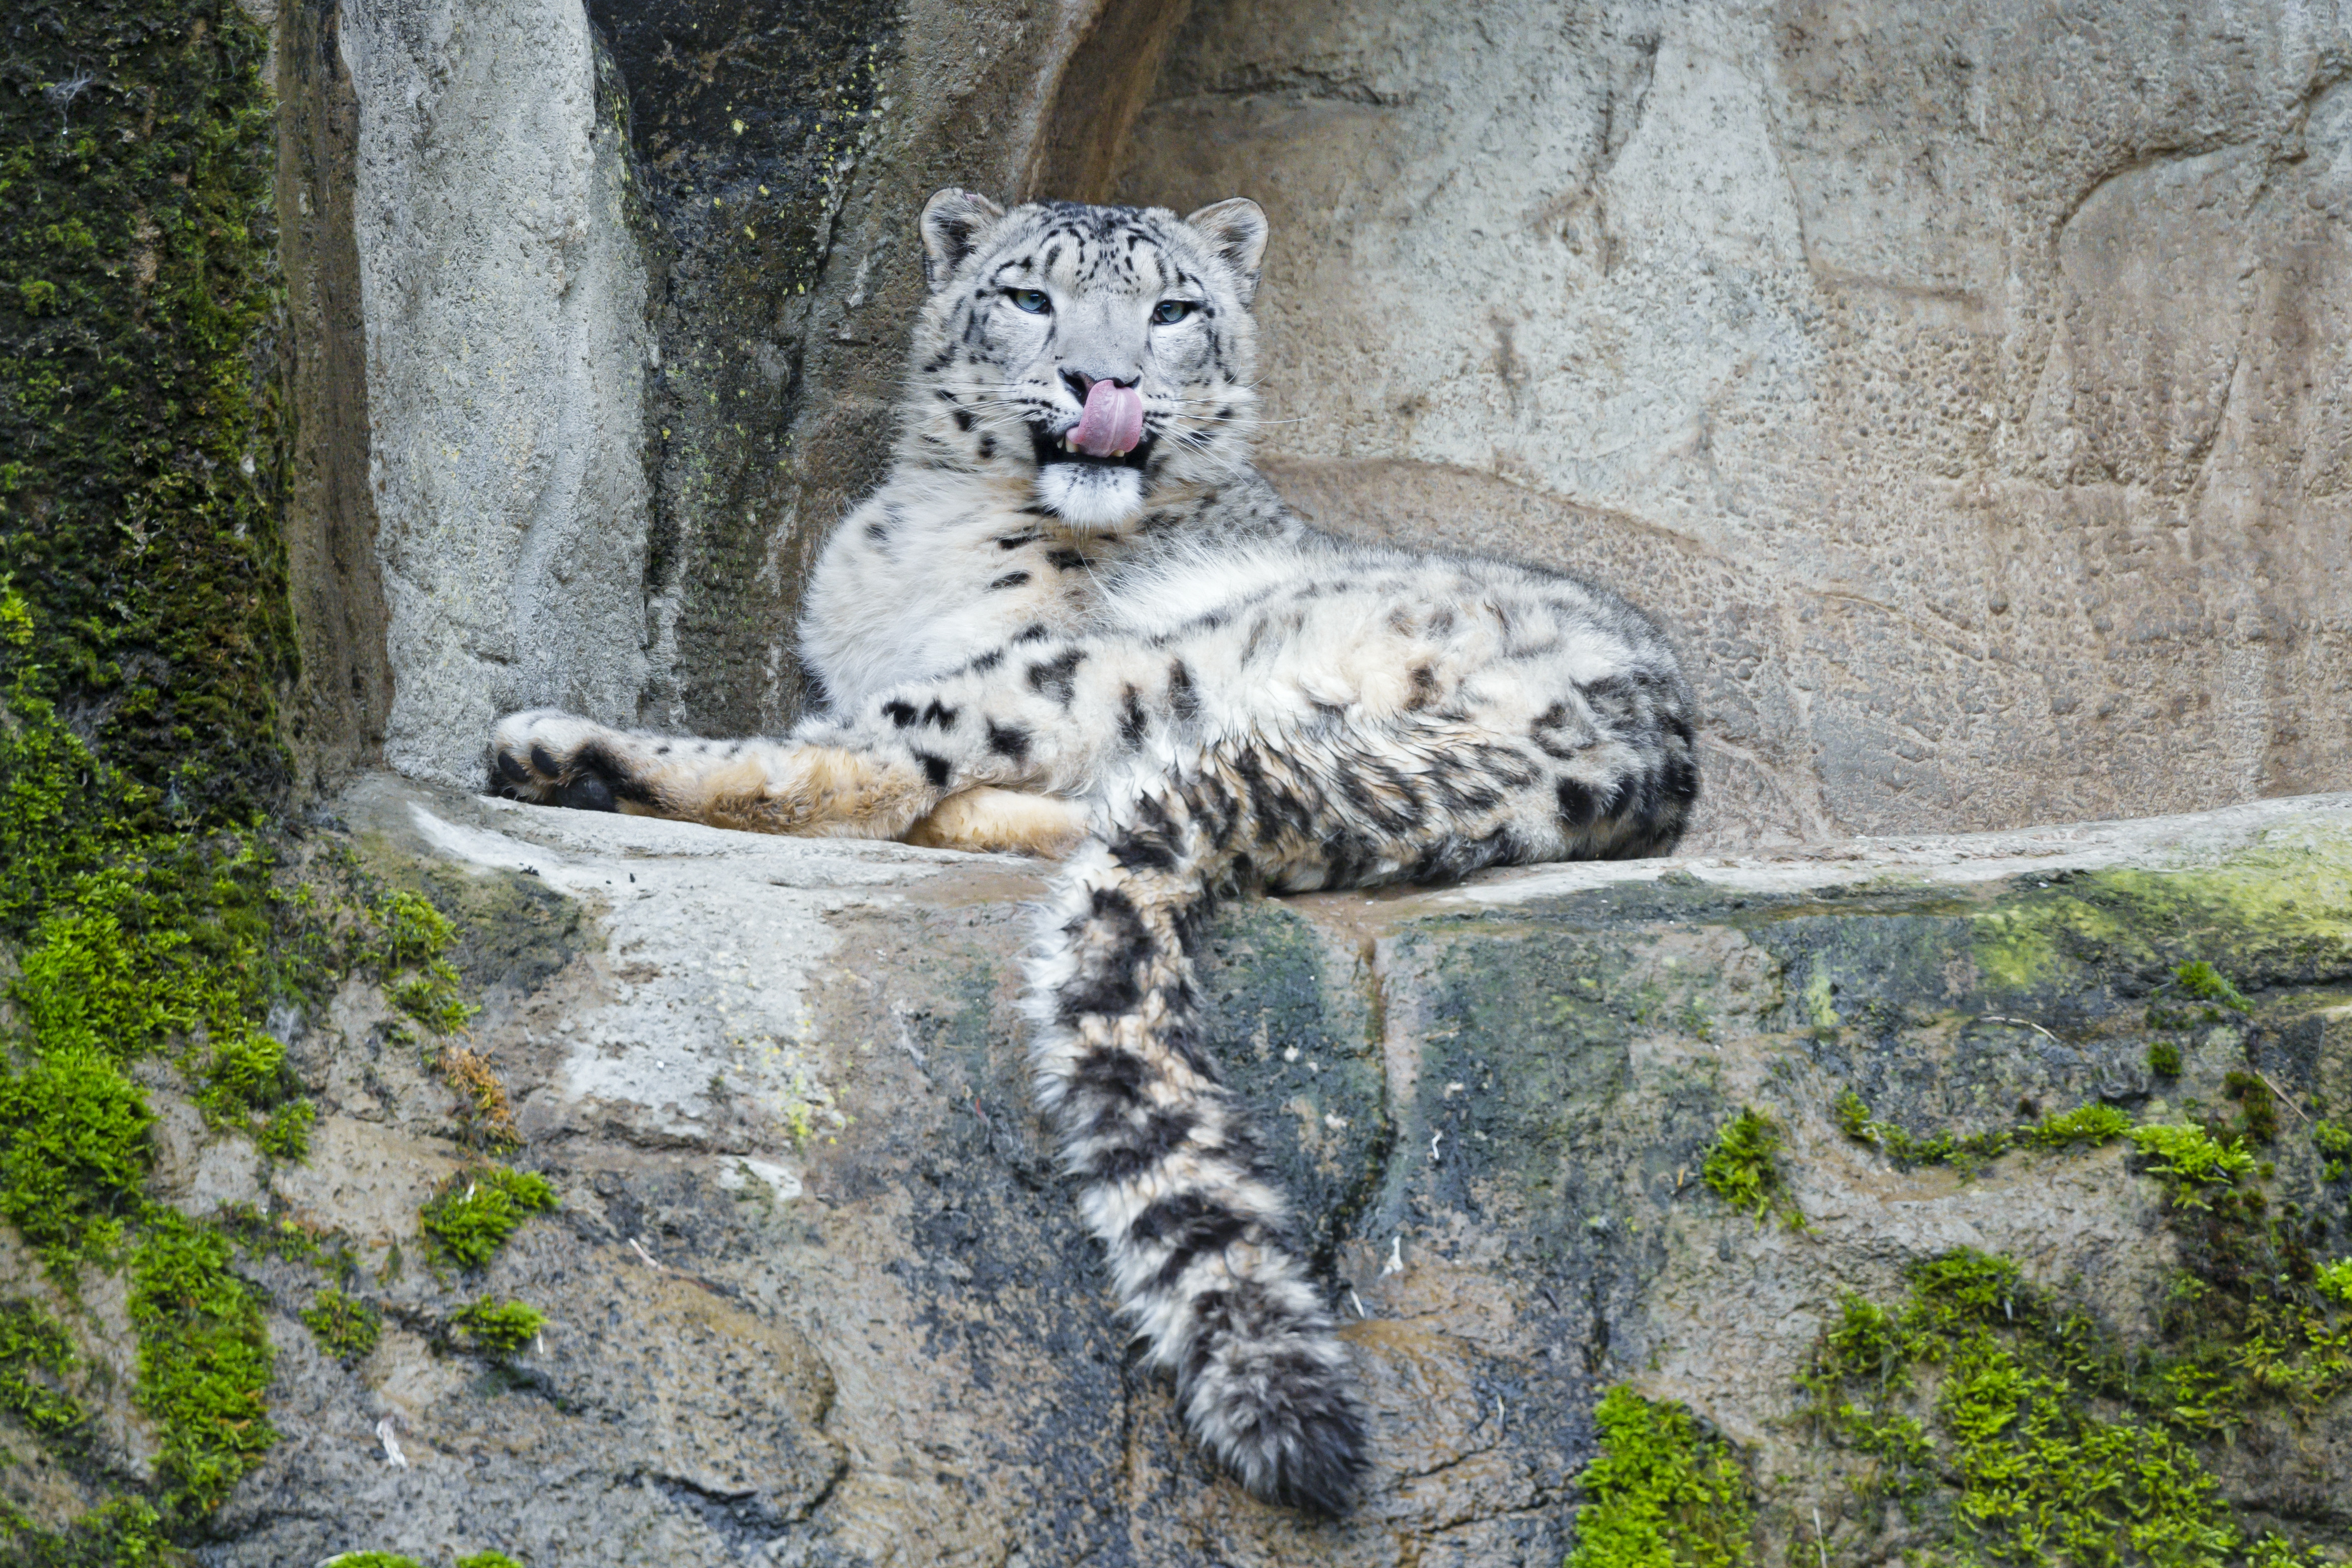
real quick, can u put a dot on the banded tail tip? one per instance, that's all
(1297, 1442)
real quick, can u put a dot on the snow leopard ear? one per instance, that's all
(1235, 230)
(953, 221)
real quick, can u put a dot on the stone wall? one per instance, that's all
(1965, 384)
(817, 1295)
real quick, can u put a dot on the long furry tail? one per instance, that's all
(1195, 1225)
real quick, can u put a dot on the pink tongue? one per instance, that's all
(1112, 423)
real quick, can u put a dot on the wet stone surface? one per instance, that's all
(816, 1293)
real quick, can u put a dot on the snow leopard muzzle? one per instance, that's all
(1108, 433)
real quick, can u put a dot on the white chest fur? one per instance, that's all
(917, 586)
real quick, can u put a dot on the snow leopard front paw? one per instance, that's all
(553, 759)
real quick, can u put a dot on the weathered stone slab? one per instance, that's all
(817, 1295)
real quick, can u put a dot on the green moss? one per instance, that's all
(125, 1533)
(411, 953)
(1973, 1395)
(498, 1328)
(1744, 1168)
(2086, 1126)
(2164, 1057)
(2335, 1281)
(1968, 1151)
(204, 1361)
(2279, 912)
(1662, 1495)
(145, 641)
(36, 1357)
(2017, 1430)
(2200, 980)
(476, 1211)
(488, 1559)
(2192, 1160)
(76, 1153)
(345, 1325)
(140, 449)
(2258, 1107)
(2334, 1144)
(371, 1560)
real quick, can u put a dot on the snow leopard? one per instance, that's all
(1075, 621)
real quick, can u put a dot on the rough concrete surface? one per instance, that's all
(816, 1293)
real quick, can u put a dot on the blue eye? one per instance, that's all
(1167, 312)
(1033, 300)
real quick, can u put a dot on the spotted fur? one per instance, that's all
(1153, 669)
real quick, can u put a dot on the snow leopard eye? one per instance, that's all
(1167, 312)
(1033, 300)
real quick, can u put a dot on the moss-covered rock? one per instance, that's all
(796, 1073)
(137, 409)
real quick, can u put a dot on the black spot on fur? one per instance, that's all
(1035, 631)
(939, 714)
(879, 533)
(935, 769)
(1064, 559)
(1275, 806)
(1192, 1223)
(1111, 942)
(902, 714)
(987, 447)
(987, 661)
(1056, 678)
(1008, 740)
(1136, 1149)
(1111, 1074)
(1184, 698)
(1139, 852)
(1010, 580)
(1015, 541)
(1134, 724)
(963, 419)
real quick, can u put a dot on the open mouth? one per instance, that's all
(1051, 448)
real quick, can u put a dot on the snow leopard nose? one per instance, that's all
(1081, 383)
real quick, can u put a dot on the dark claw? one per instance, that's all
(511, 770)
(544, 761)
(587, 793)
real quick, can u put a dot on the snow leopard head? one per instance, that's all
(1102, 355)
